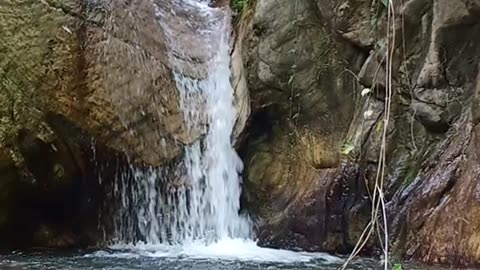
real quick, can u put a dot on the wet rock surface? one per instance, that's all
(302, 105)
(84, 85)
(315, 133)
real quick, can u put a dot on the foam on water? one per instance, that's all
(226, 249)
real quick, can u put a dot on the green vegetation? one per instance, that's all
(347, 148)
(397, 266)
(239, 5)
(411, 174)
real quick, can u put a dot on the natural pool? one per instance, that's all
(232, 255)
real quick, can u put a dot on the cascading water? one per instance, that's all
(204, 206)
(192, 208)
(211, 210)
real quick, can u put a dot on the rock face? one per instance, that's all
(315, 134)
(303, 103)
(84, 84)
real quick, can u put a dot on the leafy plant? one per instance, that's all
(379, 127)
(347, 149)
(397, 266)
(239, 5)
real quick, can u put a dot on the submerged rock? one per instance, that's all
(47, 237)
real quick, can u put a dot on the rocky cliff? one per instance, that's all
(317, 80)
(85, 85)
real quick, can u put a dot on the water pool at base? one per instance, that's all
(72, 261)
(231, 254)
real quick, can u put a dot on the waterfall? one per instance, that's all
(191, 209)
(204, 205)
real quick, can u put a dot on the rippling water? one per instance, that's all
(114, 260)
(231, 254)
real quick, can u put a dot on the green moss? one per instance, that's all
(412, 172)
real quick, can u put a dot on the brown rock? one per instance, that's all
(301, 192)
(302, 105)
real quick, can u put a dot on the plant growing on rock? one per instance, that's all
(239, 5)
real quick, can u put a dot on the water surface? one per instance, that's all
(232, 255)
(79, 261)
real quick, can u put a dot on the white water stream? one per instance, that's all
(210, 212)
(200, 216)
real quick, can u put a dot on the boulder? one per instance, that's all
(87, 89)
